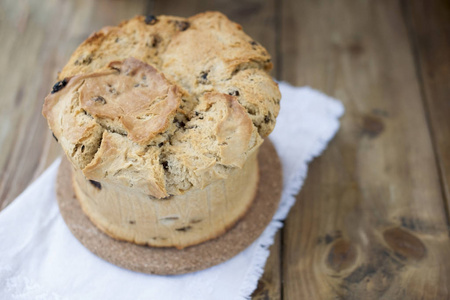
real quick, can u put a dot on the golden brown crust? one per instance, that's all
(132, 94)
(128, 169)
(234, 131)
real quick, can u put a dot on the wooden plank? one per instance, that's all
(429, 27)
(369, 222)
(258, 18)
(270, 285)
(37, 39)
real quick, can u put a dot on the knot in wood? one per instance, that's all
(404, 243)
(372, 126)
(342, 255)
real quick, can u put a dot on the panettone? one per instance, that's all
(161, 119)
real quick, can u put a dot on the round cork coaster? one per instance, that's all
(171, 261)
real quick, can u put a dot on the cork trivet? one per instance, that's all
(170, 261)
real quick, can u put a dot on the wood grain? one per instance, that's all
(37, 40)
(370, 221)
(429, 29)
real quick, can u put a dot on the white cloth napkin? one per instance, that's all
(41, 259)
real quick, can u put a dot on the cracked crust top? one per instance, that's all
(163, 105)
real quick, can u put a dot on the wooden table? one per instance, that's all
(372, 220)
